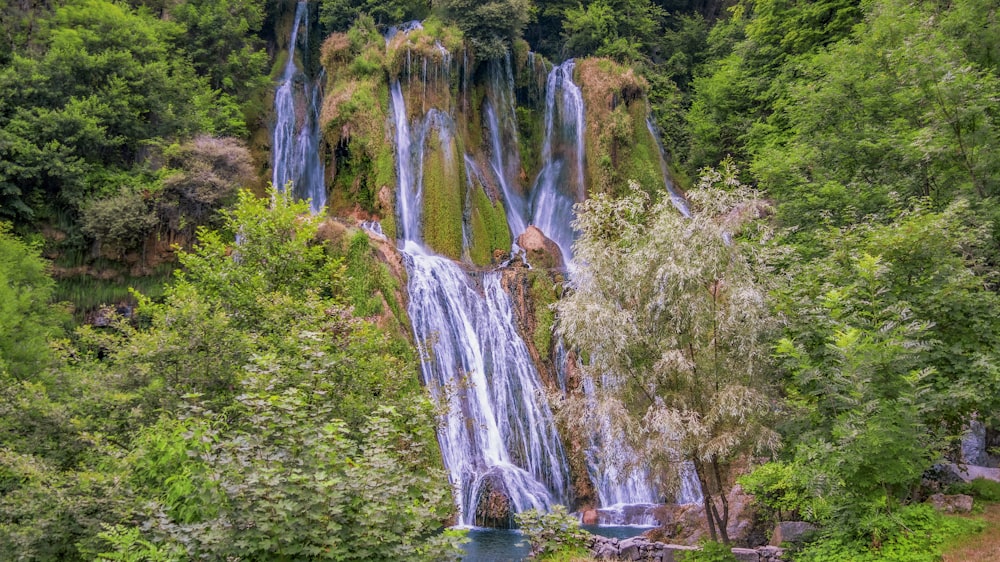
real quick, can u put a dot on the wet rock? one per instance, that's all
(540, 251)
(494, 507)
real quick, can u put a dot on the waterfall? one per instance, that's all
(626, 495)
(501, 122)
(296, 135)
(497, 437)
(560, 184)
(676, 198)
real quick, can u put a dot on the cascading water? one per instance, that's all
(560, 184)
(676, 198)
(501, 123)
(498, 439)
(296, 135)
(626, 496)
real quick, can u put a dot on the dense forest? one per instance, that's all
(195, 366)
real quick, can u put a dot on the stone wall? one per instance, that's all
(640, 548)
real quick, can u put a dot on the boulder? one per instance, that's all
(958, 503)
(790, 532)
(589, 517)
(540, 251)
(494, 507)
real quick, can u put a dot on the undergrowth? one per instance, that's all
(920, 535)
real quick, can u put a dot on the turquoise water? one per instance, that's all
(501, 545)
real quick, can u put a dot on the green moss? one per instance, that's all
(531, 136)
(442, 211)
(489, 228)
(543, 295)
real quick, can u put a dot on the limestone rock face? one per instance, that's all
(541, 251)
(958, 503)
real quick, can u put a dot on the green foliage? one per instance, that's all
(46, 514)
(865, 392)
(711, 551)
(490, 26)
(979, 488)
(121, 222)
(27, 320)
(128, 546)
(220, 38)
(859, 133)
(914, 533)
(784, 491)
(368, 283)
(296, 487)
(621, 29)
(340, 15)
(554, 534)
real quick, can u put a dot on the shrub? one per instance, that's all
(711, 551)
(980, 488)
(554, 534)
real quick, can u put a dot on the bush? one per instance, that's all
(980, 488)
(552, 535)
(915, 533)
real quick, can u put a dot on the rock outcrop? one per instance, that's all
(540, 250)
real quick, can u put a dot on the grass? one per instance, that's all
(981, 546)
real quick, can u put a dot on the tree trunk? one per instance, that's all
(706, 497)
(724, 520)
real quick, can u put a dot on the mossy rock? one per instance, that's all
(489, 228)
(443, 194)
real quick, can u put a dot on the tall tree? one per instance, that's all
(672, 313)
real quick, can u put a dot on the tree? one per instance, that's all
(491, 26)
(863, 396)
(673, 315)
(27, 319)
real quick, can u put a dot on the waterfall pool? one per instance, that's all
(505, 545)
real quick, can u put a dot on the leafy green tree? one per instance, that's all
(868, 440)
(27, 319)
(864, 130)
(672, 313)
(490, 26)
(621, 29)
(102, 83)
(222, 38)
(339, 15)
(290, 484)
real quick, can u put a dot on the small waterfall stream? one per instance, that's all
(296, 136)
(501, 123)
(560, 184)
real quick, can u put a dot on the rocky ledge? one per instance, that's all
(640, 548)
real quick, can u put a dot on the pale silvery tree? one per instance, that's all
(671, 314)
